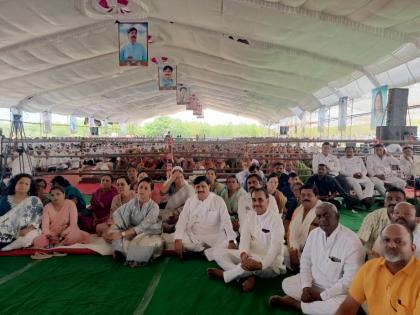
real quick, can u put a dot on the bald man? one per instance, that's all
(405, 214)
(389, 284)
(331, 257)
(375, 221)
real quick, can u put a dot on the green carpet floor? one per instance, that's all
(98, 285)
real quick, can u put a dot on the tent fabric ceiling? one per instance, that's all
(61, 55)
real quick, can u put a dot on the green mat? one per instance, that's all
(98, 285)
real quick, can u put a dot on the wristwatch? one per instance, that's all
(123, 233)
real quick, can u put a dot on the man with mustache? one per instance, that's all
(252, 182)
(261, 249)
(410, 166)
(132, 53)
(405, 214)
(380, 167)
(389, 284)
(374, 222)
(331, 257)
(329, 188)
(303, 221)
(204, 222)
(354, 170)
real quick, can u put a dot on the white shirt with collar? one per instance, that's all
(330, 160)
(381, 166)
(351, 166)
(245, 208)
(204, 219)
(410, 167)
(263, 235)
(331, 262)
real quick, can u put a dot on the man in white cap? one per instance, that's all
(178, 190)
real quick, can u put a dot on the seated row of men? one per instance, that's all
(381, 171)
(326, 253)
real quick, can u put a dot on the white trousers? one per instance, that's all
(198, 243)
(357, 183)
(394, 181)
(293, 288)
(230, 261)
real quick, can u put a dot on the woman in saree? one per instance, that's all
(59, 222)
(20, 213)
(136, 232)
(124, 196)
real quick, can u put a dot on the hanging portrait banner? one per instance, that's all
(133, 43)
(379, 101)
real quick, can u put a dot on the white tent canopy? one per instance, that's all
(61, 55)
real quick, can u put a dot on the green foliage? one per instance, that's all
(163, 124)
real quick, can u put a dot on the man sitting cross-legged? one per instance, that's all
(331, 257)
(204, 222)
(261, 249)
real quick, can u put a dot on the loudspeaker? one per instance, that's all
(395, 132)
(396, 110)
(284, 130)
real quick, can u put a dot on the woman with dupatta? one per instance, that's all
(20, 213)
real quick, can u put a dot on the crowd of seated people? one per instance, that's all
(256, 225)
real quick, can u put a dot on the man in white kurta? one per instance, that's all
(381, 170)
(261, 249)
(410, 166)
(204, 222)
(326, 158)
(245, 201)
(302, 223)
(353, 168)
(331, 257)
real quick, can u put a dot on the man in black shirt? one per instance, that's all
(329, 188)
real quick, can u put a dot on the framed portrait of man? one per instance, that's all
(167, 77)
(198, 110)
(183, 94)
(133, 44)
(192, 104)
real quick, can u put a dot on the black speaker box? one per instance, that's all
(395, 132)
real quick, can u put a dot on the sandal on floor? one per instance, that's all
(58, 254)
(41, 255)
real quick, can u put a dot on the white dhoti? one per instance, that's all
(392, 180)
(292, 287)
(142, 248)
(356, 184)
(230, 261)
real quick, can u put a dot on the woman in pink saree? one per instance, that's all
(59, 222)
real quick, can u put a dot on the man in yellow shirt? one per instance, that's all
(390, 284)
